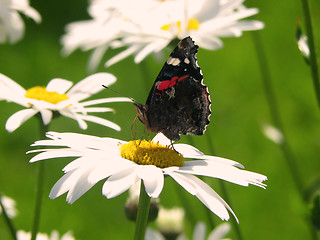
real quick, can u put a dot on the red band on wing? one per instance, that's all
(170, 83)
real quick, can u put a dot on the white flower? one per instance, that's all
(125, 163)
(109, 18)
(206, 21)
(273, 133)
(55, 97)
(9, 205)
(147, 26)
(22, 235)
(170, 220)
(303, 46)
(199, 233)
(11, 23)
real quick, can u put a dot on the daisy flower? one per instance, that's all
(206, 21)
(199, 233)
(22, 235)
(9, 206)
(123, 164)
(147, 26)
(273, 134)
(169, 222)
(109, 18)
(56, 98)
(11, 23)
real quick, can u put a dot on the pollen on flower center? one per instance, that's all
(40, 93)
(193, 24)
(151, 153)
(167, 27)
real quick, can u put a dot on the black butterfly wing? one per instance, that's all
(179, 102)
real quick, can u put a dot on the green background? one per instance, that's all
(240, 109)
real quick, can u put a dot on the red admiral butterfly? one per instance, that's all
(178, 103)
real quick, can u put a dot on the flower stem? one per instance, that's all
(7, 219)
(313, 56)
(274, 112)
(40, 183)
(143, 213)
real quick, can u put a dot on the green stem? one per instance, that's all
(143, 213)
(313, 56)
(39, 188)
(7, 219)
(274, 112)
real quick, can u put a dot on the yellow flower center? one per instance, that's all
(193, 24)
(151, 153)
(40, 93)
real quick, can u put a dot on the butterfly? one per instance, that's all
(178, 103)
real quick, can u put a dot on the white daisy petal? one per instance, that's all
(162, 139)
(8, 83)
(18, 118)
(191, 152)
(220, 231)
(222, 171)
(32, 13)
(46, 116)
(59, 85)
(211, 199)
(152, 178)
(51, 153)
(149, 49)
(81, 187)
(199, 232)
(91, 85)
(78, 117)
(183, 181)
(108, 168)
(100, 121)
(62, 185)
(98, 109)
(153, 235)
(96, 57)
(122, 55)
(11, 23)
(119, 182)
(105, 100)
(188, 151)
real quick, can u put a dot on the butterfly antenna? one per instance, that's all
(134, 101)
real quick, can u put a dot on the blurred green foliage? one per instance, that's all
(239, 111)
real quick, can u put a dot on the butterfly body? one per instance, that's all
(178, 103)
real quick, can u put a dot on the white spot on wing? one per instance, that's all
(187, 61)
(173, 61)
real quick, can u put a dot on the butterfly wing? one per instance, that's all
(179, 103)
